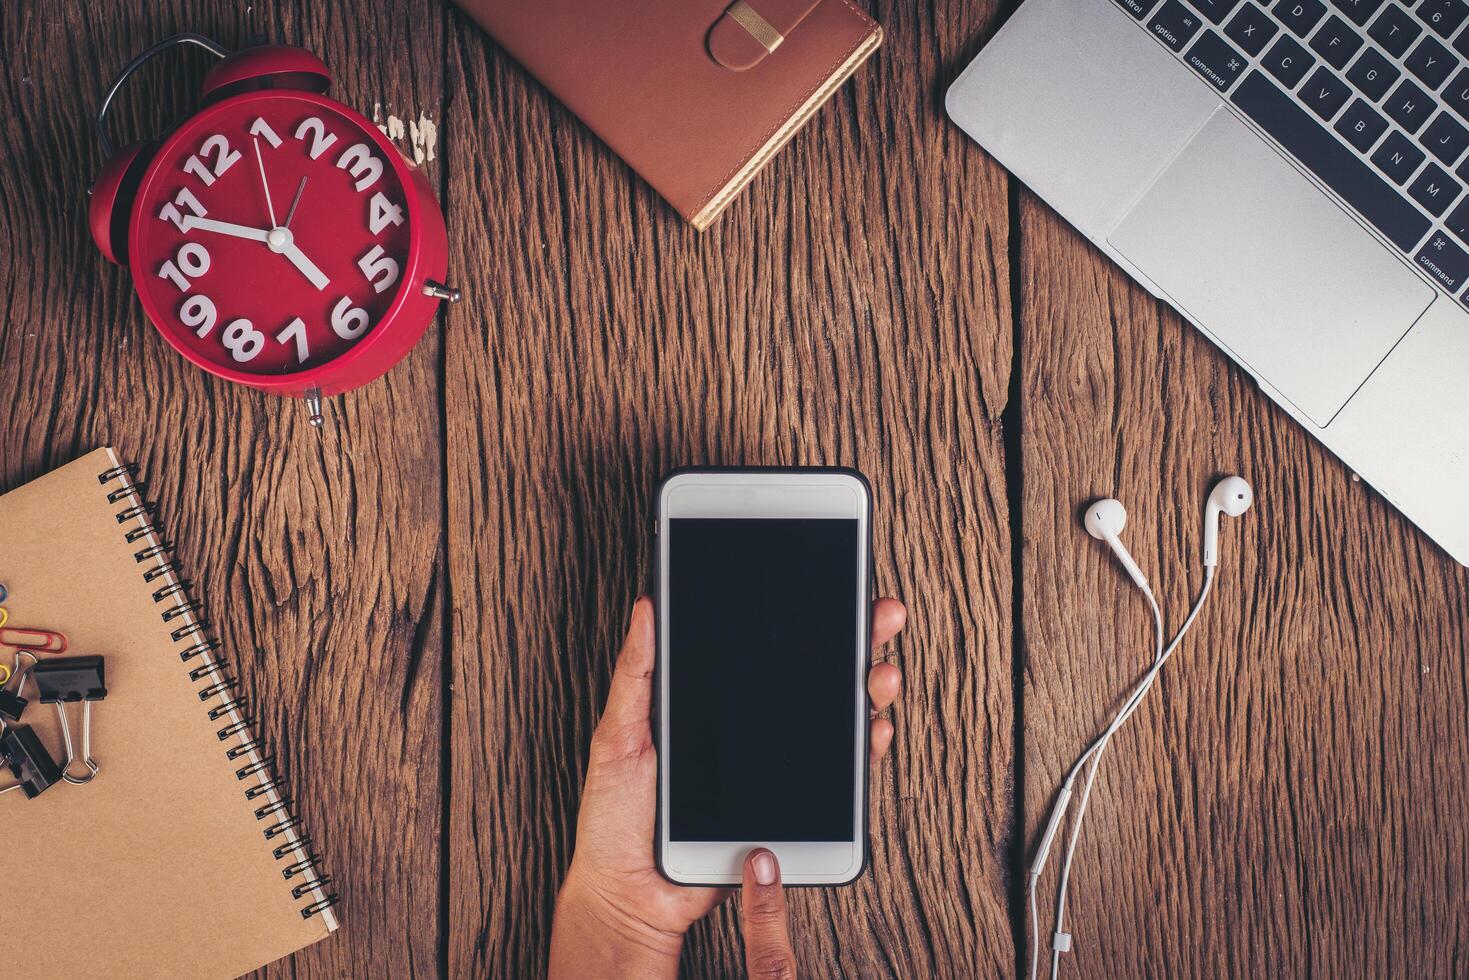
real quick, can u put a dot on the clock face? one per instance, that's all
(272, 234)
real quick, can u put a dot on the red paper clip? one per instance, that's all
(38, 641)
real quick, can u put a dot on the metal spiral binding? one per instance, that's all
(194, 634)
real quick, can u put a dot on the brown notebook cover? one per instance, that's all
(161, 866)
(696, 95)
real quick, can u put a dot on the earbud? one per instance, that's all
(1105, 520)
(1231, 495)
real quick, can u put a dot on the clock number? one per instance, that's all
(364, 167)
(382, 212)
(321, 140)
(349, 322)
(375, 265)
(198, 311)
(296, 330)
(242, 340)
(224, 158)
(262, 128)
(186, 198)
(191, 262)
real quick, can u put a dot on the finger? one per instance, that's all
(768, 953)
(884, 682)
(880, 740)
(888, 617)
(630, 699)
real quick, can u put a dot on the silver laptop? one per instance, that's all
(1291, 177)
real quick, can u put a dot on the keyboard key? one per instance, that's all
(1434, 189)
(1324, 93)
(1443, 16)
(1138, 8)
(1373, 74)
(1360, 126)
(1395, 30)
(1213, 58)
(1461, 44)
(1336, 42)
(1397, 157)
(1456, 96)
(1409, 106)
(1288, 61)
(1359, 11)
(1445, 261)
(1176, 24)
(1325, 156)
(1431, 62)
(1251, 29)
(1458, 221)
(1300, 15)
(1215, 10)
(1445, 138)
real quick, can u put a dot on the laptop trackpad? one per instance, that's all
(1270, 266)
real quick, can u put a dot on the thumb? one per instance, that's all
(629, 701)
(768, 953)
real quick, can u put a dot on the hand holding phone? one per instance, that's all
(616, 915)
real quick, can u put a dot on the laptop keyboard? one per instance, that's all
(1371, 96)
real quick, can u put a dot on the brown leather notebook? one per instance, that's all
(696, 95)
(181, 858)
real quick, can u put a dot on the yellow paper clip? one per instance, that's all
(4, 615)
(4, 675)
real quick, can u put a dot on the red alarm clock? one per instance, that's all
(276, 237)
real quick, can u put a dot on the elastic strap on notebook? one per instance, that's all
(760, 29)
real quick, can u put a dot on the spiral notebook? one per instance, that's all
(181, 859)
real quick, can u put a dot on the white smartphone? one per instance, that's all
(764, 604)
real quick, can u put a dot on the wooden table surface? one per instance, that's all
(425, 597)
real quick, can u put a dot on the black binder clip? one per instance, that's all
(28, 761)
(12, 704)
(67, 680)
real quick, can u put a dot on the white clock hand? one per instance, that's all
(307, 267)
(225, 228)
(280, 241)
(265, 184)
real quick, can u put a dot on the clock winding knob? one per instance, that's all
(439, 291)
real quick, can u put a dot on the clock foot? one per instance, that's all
(439, 291)
(313, 404)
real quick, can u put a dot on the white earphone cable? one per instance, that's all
(1099, 749)
(1063, 801)
(1094, 753)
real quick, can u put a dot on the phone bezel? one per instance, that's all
(778, 493)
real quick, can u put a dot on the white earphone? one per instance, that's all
(1231, 495)
(1105, 520)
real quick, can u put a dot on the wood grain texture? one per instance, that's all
(425, 599)
(318, 556)
(821, 321)
(1287, 803)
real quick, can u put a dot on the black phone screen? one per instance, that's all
(762, 674)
